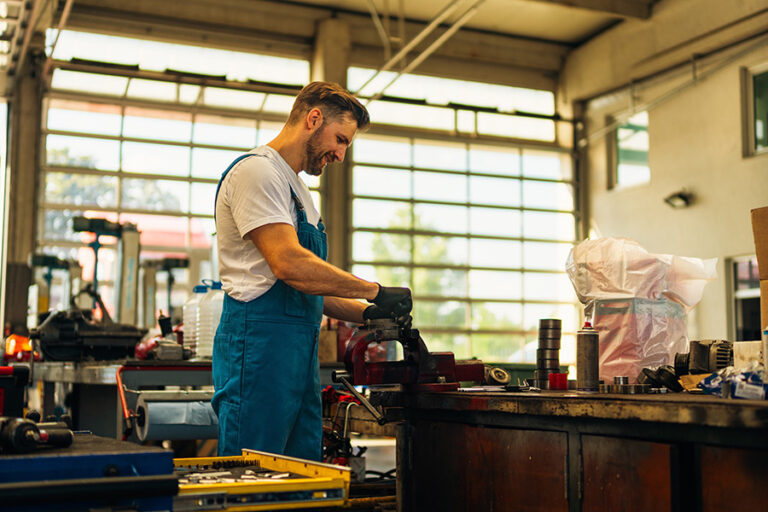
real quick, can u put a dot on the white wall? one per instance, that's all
(695, 143)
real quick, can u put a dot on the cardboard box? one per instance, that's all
(760, 231)
(327, 349)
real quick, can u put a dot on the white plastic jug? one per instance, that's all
(189, 317)
(208, 316)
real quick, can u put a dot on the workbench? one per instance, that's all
(94, 399)
(549, 451)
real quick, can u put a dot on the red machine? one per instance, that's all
(419, 370)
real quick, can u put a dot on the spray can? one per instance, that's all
(587, 359)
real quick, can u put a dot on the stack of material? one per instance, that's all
(548, 353)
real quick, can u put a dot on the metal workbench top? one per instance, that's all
(97, 372)
(675, 408)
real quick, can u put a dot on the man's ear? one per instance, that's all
(314, 118)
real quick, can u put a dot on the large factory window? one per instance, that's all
(479, 230)
(143, 144)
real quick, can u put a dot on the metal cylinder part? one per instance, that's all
(547, 353)
(622, 380)
(550, 333)
(550, 323)
(587, 360)
(548, 364)
(549, 343)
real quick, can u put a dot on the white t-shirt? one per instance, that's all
(255, 192)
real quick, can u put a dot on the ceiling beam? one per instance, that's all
(625, 8)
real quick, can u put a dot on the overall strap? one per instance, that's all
(301, 213)
(224, 175)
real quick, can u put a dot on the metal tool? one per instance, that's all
(419, 370)
(19, 435)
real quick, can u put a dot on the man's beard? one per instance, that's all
(314, 155)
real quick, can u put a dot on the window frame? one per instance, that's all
(748, 74)
(195, 253)
(612, 153)
(414, 136)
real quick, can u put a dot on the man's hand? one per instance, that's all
(390, 302)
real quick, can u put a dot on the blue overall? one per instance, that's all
(265, 368)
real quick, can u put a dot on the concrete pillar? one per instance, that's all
(25, 112)
(330, 59)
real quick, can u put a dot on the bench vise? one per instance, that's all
(419, 370)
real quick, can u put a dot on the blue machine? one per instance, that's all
(94, 472)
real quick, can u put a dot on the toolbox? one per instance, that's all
(258, 481)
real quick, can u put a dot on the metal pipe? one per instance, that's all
(62, 23)
(468, 14)
(413, 42)
(27, 36)
(383, 35)
(584, 142)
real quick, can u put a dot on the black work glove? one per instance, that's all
(390, 302)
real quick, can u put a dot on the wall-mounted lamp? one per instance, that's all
(680, 199)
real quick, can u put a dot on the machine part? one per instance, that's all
(648, 376)
(621, 380)
(662, 378)
(549, 344)
(497, 376)
(550, 323)
(704, 356)
(129, 248)
(638, 389)
(547, 353)
(47, 263)
(19, 435)
(148, 294)
(98, 227)
(150, 269)
(543, 374)
(73, 335)
(548, 364)
(343, 378)
(419, 370)
(587, 359)
(666, 375)
(549, 333)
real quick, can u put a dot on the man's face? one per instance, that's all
(329, 143)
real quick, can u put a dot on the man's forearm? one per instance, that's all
(349, 310)
(310, 274)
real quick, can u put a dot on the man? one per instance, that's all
(272, 249)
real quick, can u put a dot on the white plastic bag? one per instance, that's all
(637, 301)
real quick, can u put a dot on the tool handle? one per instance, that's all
(342, 377)
(58, 437)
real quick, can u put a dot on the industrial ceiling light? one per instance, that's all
(680, 199)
